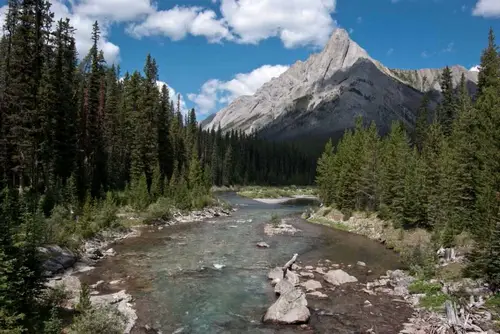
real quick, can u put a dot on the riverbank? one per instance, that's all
(269, 193)
(437, 284)
(63, 266)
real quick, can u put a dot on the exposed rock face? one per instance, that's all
(290, 308)
(324, 95)
(311, 285)
(56, 259)
(338, 277)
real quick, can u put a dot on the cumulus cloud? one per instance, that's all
(115, 10)
(83, 30)
(178, 22)
(474, 68)
(295, 22)
(487, 8)
(215, 91)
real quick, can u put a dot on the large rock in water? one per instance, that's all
(290, 308)
(338, 277)
(322, 96)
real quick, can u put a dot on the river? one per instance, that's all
(209, 277)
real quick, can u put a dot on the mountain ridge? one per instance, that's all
(324, 94)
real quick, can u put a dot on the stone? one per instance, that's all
(96, 285)
(308, 267)
(115, 282)
(292, 277)
(219, 266)
(338, 277)
(110, 252)
(122, 302)
(306, 274)
(367, 303)
(296, 267)
(320, 270)
(401, 291)
(275, 281)
(262, 245)
(283, 287)
(318, 294)
(290, 308)
(56, 259)
(275, 273)
(311, 285)
(361, 264)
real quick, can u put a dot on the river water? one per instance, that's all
(209, 277)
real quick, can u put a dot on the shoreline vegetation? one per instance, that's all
(437, 276)
(268, 192)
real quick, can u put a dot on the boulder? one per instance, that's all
(361, 264)
(306, 274)
(338, 277)
(318, 294)
(262, 245)
(292, 277)
(275, 273)
(56, 259)
(110, 252)
(283, 287)
(311, 285)
(290, 308)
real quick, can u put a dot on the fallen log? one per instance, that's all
(288, 265)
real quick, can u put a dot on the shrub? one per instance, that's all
(434, 302)
(106, 213)
(84, 303)
(98, 320)
(54, 324)
(56, 296)
(160, 209)
(275, 220)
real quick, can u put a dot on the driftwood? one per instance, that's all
(288, 265)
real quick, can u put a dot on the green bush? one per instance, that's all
(106, 213)
(54, 324)
(98, 320)
(60, 228)
(275, 220)
(161, 209)
(420, 260)
(84, 303)
(56, 296)
(434, 302)
(494, 303)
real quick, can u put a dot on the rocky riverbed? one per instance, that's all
(63, 267)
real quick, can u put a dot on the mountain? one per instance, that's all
(322, 96)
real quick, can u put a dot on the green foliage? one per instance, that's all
(98, 320)
(494, 303)
(84, 303)
(434, 302)
(421, 286)
(275, 220)
(54, 324)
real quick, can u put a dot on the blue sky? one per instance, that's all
(212, 51)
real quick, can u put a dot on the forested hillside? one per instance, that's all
(443, 176)
(78, 139)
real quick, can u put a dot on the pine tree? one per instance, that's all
(227, 167)
(447, 108)
(422, 123)
(325, 178)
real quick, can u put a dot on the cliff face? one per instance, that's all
(322, 96)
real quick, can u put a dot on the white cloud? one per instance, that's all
(215, 91)
(295, 22)
(487, 8)
(359, 20)
(3, 13)
(474, 68)
(115, 10)
(178, 22)
(83, 31)
(425, 54)
(390, 52)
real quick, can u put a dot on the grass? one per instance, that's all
(434, 302)
(328, 222)
(275, 192)
(421, 286)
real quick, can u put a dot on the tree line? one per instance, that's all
(443, 175)
(77, 139)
